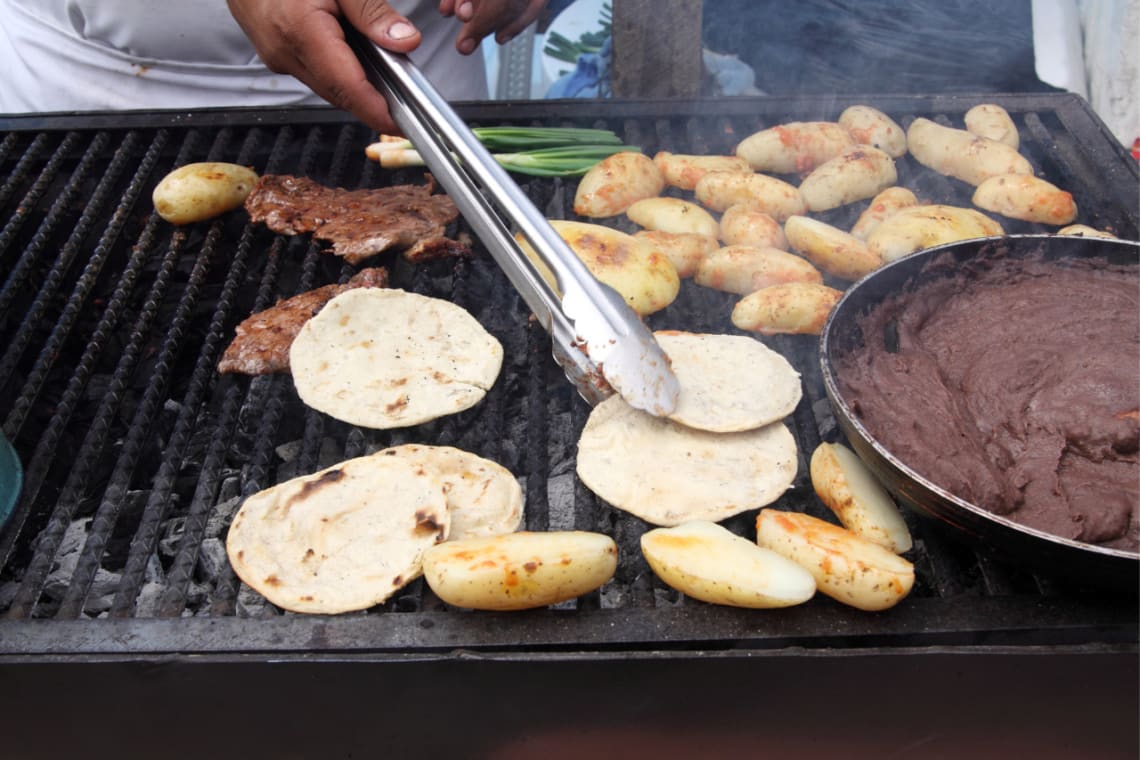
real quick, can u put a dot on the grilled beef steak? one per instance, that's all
(261, 342)
(358, 223)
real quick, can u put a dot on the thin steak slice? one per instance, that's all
(358, 223)
(261, 342)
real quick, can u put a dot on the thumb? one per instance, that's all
(382, 24)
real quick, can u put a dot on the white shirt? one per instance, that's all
(98, 55)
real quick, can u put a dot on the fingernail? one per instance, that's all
(401, 30)
(465, 10)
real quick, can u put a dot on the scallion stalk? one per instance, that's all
(559, 161)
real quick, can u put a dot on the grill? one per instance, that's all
(137, 454)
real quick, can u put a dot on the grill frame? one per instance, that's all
(970, 599)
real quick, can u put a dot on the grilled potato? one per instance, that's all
(684, 249)
(846, 567)
(961, 154)
(743, 225)
(851, 492)
(993, 122)
(918, 227)
(882, 205)
(790, 307)
(744, 269)
(613, 184)
(1082, 230)
(519, 571)
(778, 199)
(684, 171)
(794, 147)
(672, 215)
(201, 191)
(830, 248)
(870, 126)
(855, 174)
(640, 273)
(1025, 197)
(708, 562)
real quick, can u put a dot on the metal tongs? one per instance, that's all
(598, 339)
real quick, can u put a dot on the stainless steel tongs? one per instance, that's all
(598, 339)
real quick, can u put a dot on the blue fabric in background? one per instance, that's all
(590, 77)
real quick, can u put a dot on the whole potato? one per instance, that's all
(1022, 196)
(684, 249)
(744, 225)
(672, 215)
(882, 205)
(720, 190)
(640, 273)
(519, 571)
(795, 147)
(961, 154)
(744, 269)
(992, 121)
(200, 191)
(787, 308)
(683, 171)
(870, 126)
(918, 227)
(830, 248)
(614, 183)
(853, 175)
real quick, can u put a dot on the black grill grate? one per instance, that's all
(137, 453)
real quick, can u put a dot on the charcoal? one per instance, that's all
(212, 561)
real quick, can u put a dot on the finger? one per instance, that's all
(382, 24)
(447, 8)
(525, 19)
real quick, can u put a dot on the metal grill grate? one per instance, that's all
(137, 453)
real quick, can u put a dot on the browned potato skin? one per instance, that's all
(870, 126)
(720, 190)
(684, 249)
(743, 225)
(961, 154)
(613, 184)
(857, 173)
(882, 206)
(795, 147)
(994, 122)
(684, 171)
(744, 269)
(830, 248)
(1021, 196)
(789, 308)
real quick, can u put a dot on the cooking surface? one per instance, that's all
(137, 453)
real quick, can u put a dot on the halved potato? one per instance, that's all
(882, 205)
(743, 225)
(615, 182)
(1025, 197)
(992, 121)
(789, 308)
(643, 275)
(852, 493)
(830, 248)
(1083, 230)
(855, 174)
(519, 571)
(918, 227)
(683, 171)
(961, 154)
(870, 126)
(672, 215)
(797, 146)
(709, 562)
(684, 249)
(200, 191)
(846, 567)
(744, 269)
(778, 199)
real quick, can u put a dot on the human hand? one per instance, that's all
(504, 18)
(303, 38)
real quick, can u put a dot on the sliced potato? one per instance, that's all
(709, 562)
(743, 225)
(855, 174)
(672, 215)
(643, 275)
(797, 146)
(992, 121)
(961, 154)
(615, 182)
(1083, 230)
(918, 227)
(1025, 197)
(846, 567)
(830, 248)
(851, 492)
(778, 199)
(790, 307)
(683, 171)
(870, 126)
(882, 205)
(519, 571)
(200, 191)
(744, 269)
(684, 249)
